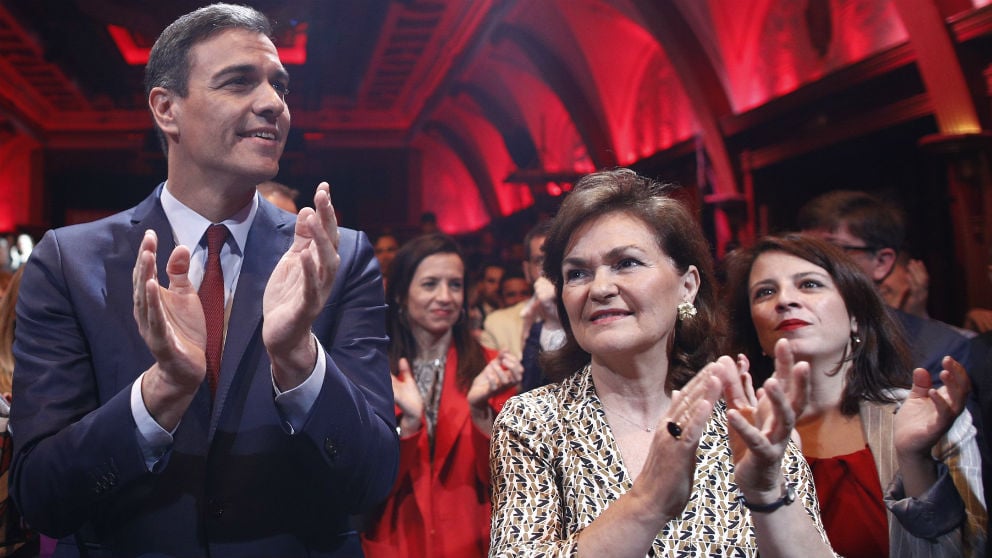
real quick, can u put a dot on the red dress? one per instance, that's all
(851, 507)
(439, 509)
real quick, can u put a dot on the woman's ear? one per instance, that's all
(690, 283)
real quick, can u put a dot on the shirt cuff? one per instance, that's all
(936, 512)
(294, 404)
(153, 440)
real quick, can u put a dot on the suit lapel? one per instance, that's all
(149, 215)
(878, 421)
(453, 414)
(270, 236)
(117, 267)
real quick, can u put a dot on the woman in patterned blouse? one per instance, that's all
(924, 457)
(631, 453)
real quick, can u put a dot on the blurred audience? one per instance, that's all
(279, 195)
(385, 247)
(488, 291)
(15, 538)
(980, 319)
(8, 302)
(906, 287)
(504, 329)
(514, 288)
(428, 223)
(21, 250)
(485, 297)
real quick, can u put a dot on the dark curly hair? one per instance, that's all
(697, 341)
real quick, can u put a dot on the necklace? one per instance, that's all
(429, 375)
(637, 424)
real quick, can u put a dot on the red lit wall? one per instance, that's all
(767, 50)
(643, 101)
(16, 158)
(448, 189)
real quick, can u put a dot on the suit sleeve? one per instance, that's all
(351, 425)
(950, 518)
(73, 446)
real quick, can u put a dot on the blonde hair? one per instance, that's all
(8, 303)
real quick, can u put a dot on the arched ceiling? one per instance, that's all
(504, 100)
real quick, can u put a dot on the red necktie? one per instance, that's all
(212, 299)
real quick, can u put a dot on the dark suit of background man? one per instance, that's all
(120, 447)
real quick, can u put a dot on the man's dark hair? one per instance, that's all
(508, 274)
(169, 62)
(879, 224)
(540, 229)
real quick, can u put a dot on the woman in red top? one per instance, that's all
(448, 390)
(864, 433)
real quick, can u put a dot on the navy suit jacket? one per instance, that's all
(930, 341)
(236, 482)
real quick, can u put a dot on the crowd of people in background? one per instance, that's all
(267, 383)
(897, 446)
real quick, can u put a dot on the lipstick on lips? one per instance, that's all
(790, 325)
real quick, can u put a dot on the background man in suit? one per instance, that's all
(505, 329)
(279, 195)
(872, 232)
(134, 436)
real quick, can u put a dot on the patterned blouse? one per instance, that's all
(556, 468)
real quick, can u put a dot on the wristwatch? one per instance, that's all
(788, 497)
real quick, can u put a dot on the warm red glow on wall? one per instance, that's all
(768, 47)
(459, 209)
(15, 181)
(135, 49)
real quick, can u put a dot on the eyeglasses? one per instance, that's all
(848, 248)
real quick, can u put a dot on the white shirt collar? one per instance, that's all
(188, 226)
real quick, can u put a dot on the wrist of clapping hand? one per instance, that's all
(410, 424)
(764, 491)
(481, 409)
(787, 495)
(923, 456)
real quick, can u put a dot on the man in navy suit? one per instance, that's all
(122, 446)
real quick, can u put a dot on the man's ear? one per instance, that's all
(884, 261)
(161, 101)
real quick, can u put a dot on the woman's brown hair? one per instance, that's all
(697, 341)
(880, 361)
